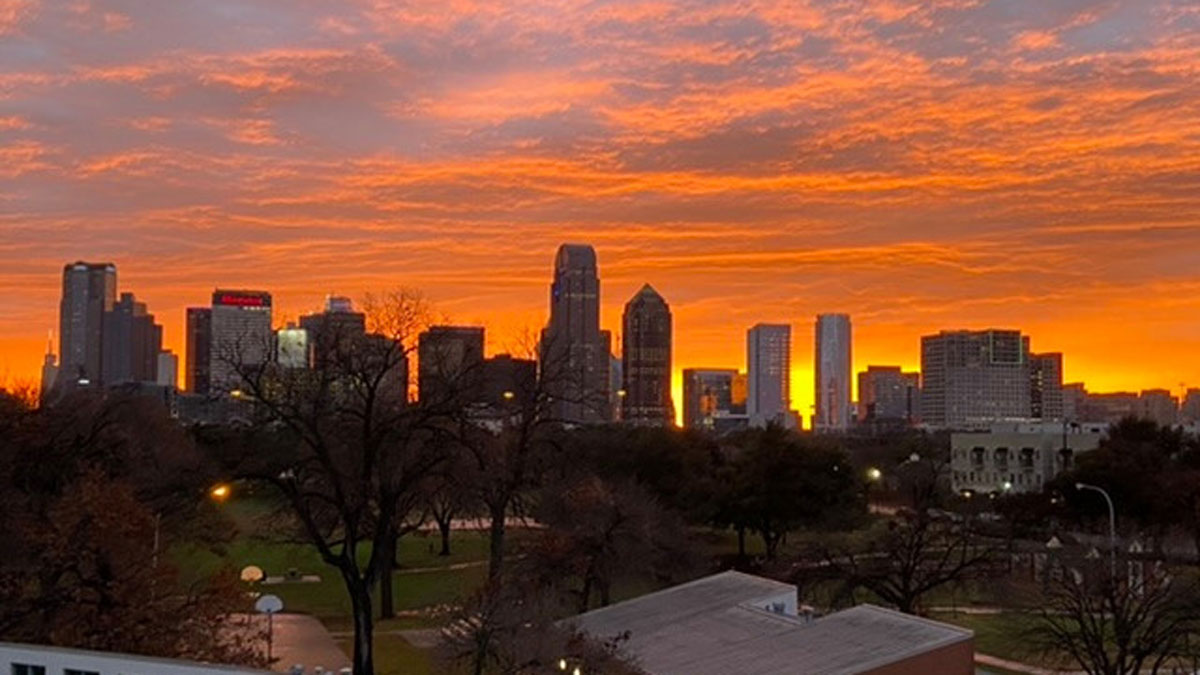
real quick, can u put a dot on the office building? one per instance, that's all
(1046, 387)
(1158, 405)
(769, 365)
(331, 330)
(738, 623)
(1074, 401)
(168, 370)
(888, 394)
(89, 290)
(291, 347)
(1110, 407)
(575, 354)
(132, 342)
(714, 399)
(1018, 457)
(450, 365)
(241, 337)
(1189, 412)
(646, 360)
(49, 371)
(199, 347)
(509, 381)
(973, 378)
(832, 382)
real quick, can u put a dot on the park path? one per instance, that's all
(296, 639)
(1018, 667)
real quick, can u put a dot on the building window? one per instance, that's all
(73, 671)
(26, 669)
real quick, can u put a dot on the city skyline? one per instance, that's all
(917, 166)
(496, 347)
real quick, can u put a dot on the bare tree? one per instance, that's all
(1121, 626)
(509, 630)
(597, 532)
(341, 443)
(914, 556)
(507, 444)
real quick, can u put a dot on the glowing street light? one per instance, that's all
(874, 474)
(220, 492)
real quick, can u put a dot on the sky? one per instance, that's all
(918, 164)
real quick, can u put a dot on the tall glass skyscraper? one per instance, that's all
(832, 385)
(89, 290)
(769, 365)
(574, 351)
(646, 359)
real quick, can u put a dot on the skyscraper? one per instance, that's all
(49, 370)
(646, 360)
(89, 290)
(769, 363)
(574, 352)
(1046, 400)
(971, 378)
(132, 342)
(199, 346)
(330, 331)
(450, 365)
(886, 393)
(242, 339)
(832, 388)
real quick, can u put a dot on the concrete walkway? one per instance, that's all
(1018, 667)
(297, 639)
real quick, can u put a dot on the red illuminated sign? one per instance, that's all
(240, 300)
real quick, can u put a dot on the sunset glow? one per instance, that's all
(920, 165)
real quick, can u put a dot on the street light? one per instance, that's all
(874, 474)
(220, 492)
(1112, 524)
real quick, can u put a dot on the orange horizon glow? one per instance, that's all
(919, 165)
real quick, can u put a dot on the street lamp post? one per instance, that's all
(1112, 524)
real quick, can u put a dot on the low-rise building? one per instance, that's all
(20, 659)
(1017, 457)
(738, 623)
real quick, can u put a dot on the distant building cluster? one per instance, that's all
(969, 380)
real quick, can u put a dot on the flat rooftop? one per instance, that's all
(722, 624)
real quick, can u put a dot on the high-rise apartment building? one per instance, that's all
(714, 399)
(450, 365)
(89, 290)
(197, 361)
(832, 381)
(888, 394)
(241, 338)
(1046, 387)
(646, 360)
(971, 378)
(769, 364)
(574, 351)
(1111, 407)
(132, 342)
